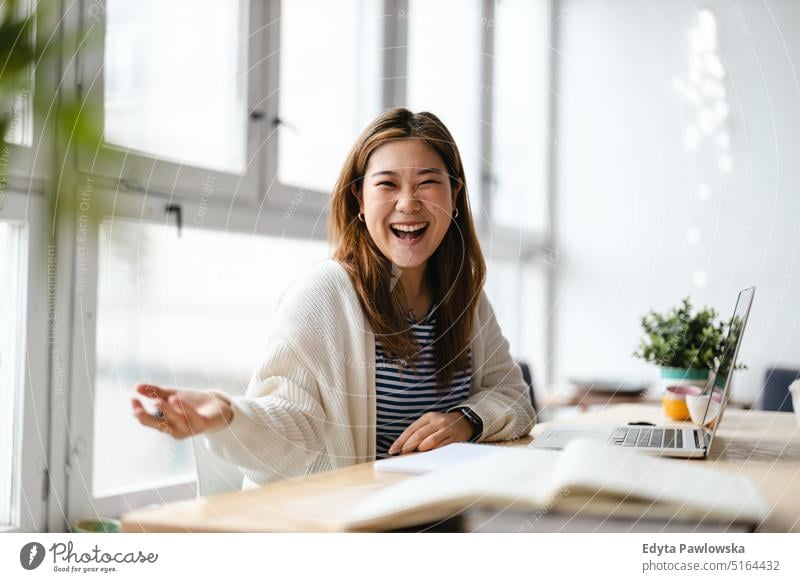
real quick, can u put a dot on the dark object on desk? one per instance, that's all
(775, 394)
(481, 520)
(453, 524)
(641, 423)
(526, 375)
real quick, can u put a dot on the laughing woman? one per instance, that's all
(389, 348)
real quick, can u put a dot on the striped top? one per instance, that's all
(403, 396)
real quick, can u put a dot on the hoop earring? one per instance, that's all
(455, 214)
(361, 216)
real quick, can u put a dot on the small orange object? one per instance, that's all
(675, 409)
(674, 401)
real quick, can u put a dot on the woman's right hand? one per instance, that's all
(184, 413)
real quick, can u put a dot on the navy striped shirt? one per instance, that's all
(403, 396)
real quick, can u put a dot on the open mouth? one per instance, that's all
(409, 231)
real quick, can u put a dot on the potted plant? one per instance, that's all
(686, 346)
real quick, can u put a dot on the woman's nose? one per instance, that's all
(407, 200)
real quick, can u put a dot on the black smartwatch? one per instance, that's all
(474, 420)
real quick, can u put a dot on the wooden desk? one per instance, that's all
(585, 400)
(763, 445)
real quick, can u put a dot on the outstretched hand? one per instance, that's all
(182, 413)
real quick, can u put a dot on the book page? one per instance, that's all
(504, 476)
(685, 485)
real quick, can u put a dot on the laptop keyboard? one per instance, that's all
(670, 438)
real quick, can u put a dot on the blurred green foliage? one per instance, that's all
(65, 119)
(18, 57)
(681, 339)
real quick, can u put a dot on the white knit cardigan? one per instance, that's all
(310, 405)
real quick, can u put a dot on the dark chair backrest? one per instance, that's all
(775, 395)
(528, 377)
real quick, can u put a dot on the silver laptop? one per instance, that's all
(661, 440)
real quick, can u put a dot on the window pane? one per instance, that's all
(517, 291)
(178, 312)
(521, 93)
(330, 67)
(176, 80)
(535, 321)
(444, 75)
(12, 324)
(503, 289)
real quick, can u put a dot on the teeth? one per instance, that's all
(409, 227)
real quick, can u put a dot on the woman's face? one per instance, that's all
(407, 201)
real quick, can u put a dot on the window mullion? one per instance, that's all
(551, 239)
(30, 385)
(395, 53)
(486, 105)
(79, 239)
(61, 366)
(270, 43)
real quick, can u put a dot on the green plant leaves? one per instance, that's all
(680, 339)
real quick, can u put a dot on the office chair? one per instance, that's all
(775, 394)
(526, 375)
(213, 474)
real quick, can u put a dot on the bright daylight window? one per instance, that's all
(444, 75)
(520, 96)
(12, 344)
(522, 316)
(176, 80)
(193, 312)
(330, 68)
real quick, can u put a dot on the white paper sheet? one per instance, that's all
(419, 463)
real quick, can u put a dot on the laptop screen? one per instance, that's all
(719, 388)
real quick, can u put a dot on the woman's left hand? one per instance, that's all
(433, 430)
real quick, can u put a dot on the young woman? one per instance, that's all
(391, 347)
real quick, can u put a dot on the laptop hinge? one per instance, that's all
(706, 438)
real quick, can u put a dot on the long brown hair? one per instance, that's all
(455, 272)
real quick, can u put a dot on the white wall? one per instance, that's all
(627, 186)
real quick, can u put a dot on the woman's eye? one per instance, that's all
(429, 182)
(389, 184)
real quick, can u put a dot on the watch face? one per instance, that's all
(474, 420)
(470, 415)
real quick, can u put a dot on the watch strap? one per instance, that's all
(473, 419)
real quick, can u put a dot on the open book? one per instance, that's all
(587, 477)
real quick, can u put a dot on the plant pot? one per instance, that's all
(96, 526)
(684, 377)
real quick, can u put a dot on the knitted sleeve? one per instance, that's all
(277, 430)
(501, 401)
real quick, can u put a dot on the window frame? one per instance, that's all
(502, 242)
(81, 501)
(264, 213)
(27, 170)
(281, 195)
(116, 166)
(31, 477)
